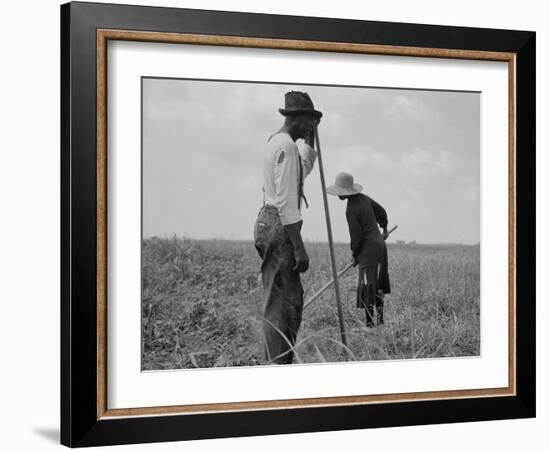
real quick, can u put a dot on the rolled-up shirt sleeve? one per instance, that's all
(308, 156)
(286, 173)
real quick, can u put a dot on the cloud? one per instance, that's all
(407, 106)
(433, 163)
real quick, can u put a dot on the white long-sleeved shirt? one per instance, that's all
(281, 168)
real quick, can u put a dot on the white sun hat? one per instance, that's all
(344, 185)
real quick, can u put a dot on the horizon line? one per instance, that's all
(306, 241)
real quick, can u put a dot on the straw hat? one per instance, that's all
(344, 185)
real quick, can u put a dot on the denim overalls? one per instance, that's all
(284, 295)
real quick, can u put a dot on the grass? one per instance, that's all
(202, 305)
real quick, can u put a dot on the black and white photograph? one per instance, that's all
(307, 224)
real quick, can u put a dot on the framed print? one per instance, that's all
(268, 220)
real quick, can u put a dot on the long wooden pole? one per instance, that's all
(330, 242)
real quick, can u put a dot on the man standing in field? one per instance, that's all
(277, 230)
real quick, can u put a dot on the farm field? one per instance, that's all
(202, 305)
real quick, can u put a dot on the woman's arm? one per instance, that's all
(381, 216)
(355, 234)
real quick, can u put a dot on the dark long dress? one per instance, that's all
(368, 247)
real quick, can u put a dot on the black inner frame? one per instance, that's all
(79, 424)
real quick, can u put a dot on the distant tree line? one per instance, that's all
(401, 242)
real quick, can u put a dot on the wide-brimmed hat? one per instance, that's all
(297, 102)
(344, 185)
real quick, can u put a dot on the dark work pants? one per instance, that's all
(284, 295)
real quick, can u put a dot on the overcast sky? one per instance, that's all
(415, 152)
